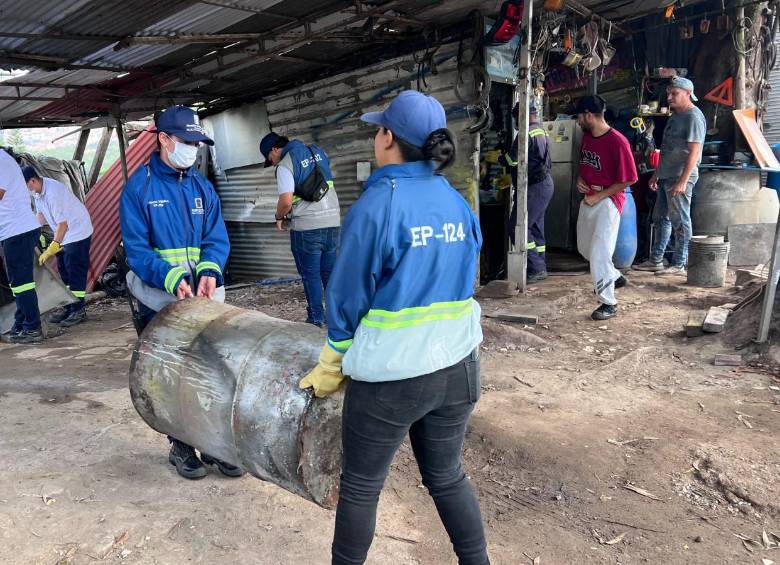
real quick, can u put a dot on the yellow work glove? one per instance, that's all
(492, 156)
(51, 251)
(326, 377)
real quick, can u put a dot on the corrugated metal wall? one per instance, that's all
(327, 113)
(772, 116)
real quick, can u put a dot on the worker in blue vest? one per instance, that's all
(404, 326)
(71, 225)
(540, 191)
(314, 224)
(175, 241)
(19, 232)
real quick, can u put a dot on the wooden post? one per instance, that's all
(100, 155)
(120, 136)
(518, 253)
(739, 86)
(81, 146)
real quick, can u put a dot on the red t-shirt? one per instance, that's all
(606, 160)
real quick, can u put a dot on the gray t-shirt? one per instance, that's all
(681, 129)
(308, 215)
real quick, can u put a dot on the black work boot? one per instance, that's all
(27, 337)
(187, 463)
(621, 281)
(74, 318)
(225, 468)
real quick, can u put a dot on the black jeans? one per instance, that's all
(434, 410)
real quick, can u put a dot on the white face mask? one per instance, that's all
(183, 155)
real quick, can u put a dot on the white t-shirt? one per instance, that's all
(285, 182)
(16, 215)
(58, 204)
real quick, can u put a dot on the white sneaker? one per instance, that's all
(671, 270)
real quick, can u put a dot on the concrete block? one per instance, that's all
(715, 320)
(725, 360)
(517, 317)
(750, 244)
(694, 326)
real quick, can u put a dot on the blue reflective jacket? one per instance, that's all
(400, 297)
(172, 226)
(301, 159)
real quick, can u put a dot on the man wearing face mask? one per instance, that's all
(175, 241)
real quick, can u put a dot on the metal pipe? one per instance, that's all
(225, 380)
(770, 290)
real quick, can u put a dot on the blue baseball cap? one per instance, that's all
(685, 84)
(29, 173)
(266, 144)
(182, 122)
(411, 116)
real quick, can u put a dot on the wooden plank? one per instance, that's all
(695, 325)
(715, 320)
(100, 155)
(81, 146)
(728, 360)
(746, 119)
(122, 140)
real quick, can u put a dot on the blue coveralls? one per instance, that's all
(540, 192)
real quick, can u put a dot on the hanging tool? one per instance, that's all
(714, 129)
(638, 123)
(704, 26)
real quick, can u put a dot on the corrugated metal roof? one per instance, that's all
(103, 205)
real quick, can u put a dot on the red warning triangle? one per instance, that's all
(723, 93)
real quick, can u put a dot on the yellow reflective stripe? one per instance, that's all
(340, 346)
(541, 248)
(207, 265)
(531, 245)
(171, 278)
(79, 293)
(330, 183)
(22, 288)
(418, 315)
(509, 160)
(535, 132)
(178, 251)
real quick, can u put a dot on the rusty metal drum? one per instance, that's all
(225, 380)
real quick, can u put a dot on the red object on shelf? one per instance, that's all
(655, 158)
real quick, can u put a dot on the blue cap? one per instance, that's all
(183, 123)
(29, 173)
(685, 84)
(412, 117)
(266, 144)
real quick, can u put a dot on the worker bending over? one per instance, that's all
(68, 218)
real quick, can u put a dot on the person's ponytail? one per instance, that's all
(440, 148)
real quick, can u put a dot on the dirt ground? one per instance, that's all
(593, 442)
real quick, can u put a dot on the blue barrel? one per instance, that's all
(625, 250)
(773, 179)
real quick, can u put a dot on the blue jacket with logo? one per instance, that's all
(400, 297)
(172, 226)
(301, 159)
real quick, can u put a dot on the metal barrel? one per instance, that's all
(225, 380)
(707, 261)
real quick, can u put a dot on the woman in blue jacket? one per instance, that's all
(403, 323)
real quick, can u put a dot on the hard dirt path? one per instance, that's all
(572, 413)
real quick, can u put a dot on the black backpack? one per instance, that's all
(316, 186)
